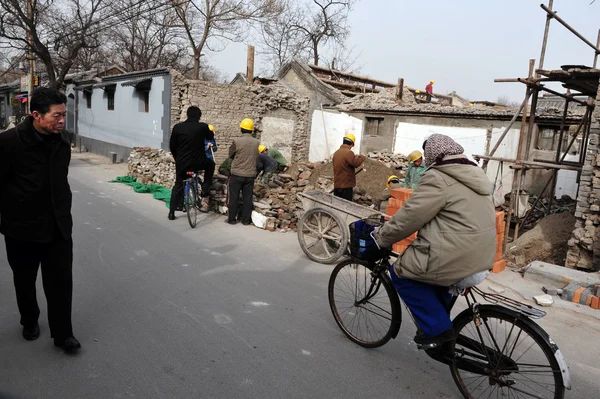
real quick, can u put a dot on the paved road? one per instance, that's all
(220, 311)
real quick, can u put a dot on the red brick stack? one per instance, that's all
(399, 198)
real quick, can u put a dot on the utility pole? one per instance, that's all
(30, 54)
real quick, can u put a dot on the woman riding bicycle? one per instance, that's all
(453, 212)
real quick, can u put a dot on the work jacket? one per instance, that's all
(345, 163)
(413, 176)
(277, 156)
(35, 196)
(244, 151)
(452, 211)
(187, 145)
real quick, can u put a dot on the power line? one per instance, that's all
(125, 18)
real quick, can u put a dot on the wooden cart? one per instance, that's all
(323, 229)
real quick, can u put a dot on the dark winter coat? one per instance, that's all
(34, 189)
(187, 145)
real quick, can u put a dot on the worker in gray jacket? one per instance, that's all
(243, 172)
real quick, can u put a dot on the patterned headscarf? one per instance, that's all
(438, 146)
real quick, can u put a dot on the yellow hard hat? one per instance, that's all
(416, 154)
(350, 136)
(417, 91)
(262, 147)
(247, 124)
(211, 128)
(432, 81)
(470, 104)
(392, 177)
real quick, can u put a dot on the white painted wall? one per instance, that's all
(328, 130)
(410, 137)
(507, 149)
(278, 133)
(566, 180)
(126, 125)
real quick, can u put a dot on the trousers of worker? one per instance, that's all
(427, 303)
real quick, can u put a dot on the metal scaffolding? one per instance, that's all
(579, 80)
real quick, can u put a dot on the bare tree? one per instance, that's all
(343, 58)
(211, 23)
(147, 40)
(303, 31)
(59, 29)
(326, 21)
(506, 102)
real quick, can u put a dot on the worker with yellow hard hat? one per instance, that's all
(243, 172)
(275, 154)
(392, 182)
(345, 163)
(210, 145)
(415, 170)
(429, 90)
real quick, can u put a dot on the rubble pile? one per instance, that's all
(389, 159)
(277, 201)
(151, 166)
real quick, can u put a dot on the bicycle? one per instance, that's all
(191, 199)
(366, 307)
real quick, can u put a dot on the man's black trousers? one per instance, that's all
(345, 193)
(56, 259)
(177, 193)
(246, 186)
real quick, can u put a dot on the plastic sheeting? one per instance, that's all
(328, 130)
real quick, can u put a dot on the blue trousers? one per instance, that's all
(427, 303)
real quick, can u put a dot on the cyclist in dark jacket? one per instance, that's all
(35, 214)
(187, 146)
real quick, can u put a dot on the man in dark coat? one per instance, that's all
(188, 149)
(35, 214)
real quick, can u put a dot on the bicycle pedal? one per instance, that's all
(427, 346)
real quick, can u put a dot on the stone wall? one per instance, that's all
(584, 247)
(224, 106)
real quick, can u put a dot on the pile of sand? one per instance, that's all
(546, 242)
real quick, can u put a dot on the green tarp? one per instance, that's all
(160, 193)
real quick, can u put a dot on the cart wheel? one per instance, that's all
(322, 235)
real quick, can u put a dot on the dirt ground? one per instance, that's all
(372, 180)
(546, 242)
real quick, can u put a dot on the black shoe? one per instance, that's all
(69, 344)
(246, 223)
(436, 341)
(231, 222)
(31, 333)
(171, 215)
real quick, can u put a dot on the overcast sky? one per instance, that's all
(462, 44)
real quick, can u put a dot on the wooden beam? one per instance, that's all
(250, 66)
(358, 78)
(521, 164)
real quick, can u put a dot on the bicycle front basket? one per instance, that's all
(362, 244)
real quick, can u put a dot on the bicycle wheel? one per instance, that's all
(504, 354)
(364, 303)
(191, 203)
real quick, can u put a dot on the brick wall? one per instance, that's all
(224, 106)
(584, 247)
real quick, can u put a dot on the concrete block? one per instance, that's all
(569, 291)
(558, 276)
(544, 300)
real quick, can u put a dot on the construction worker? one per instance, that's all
(415, 170)
(429, 90)
(210, 145)
(267, 165)
(453, 212)
(243, 172)
(345, 163)
(276, 155)
(392, 182)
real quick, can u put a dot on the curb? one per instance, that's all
(558, 276)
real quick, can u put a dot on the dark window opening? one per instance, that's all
(110, 96)
(374, 126)
(88, 98)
